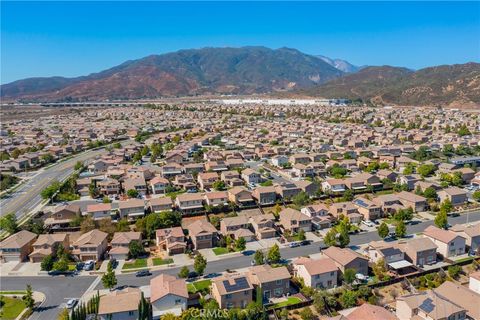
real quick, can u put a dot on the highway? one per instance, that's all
(58, 289)
(26, 197)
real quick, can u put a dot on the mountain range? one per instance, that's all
(256, 70)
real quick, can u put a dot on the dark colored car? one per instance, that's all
(306, 242)
(143, 273)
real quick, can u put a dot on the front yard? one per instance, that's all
(137, 264)
(11, 307)
(220, 250)
(160, 261)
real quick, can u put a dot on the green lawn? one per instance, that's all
(160, 261)
(12, 308)
(138, 263)
(13, 292)
(220, 250)
(464, 259)
(198, 286)
(288, 302)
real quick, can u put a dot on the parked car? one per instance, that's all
(294, 244)
(71, 303)
(306, 242)
(89, 265)
(143, 273)
(368, 223)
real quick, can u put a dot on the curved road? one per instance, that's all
(26, 197)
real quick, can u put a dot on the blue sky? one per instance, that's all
(78, 38)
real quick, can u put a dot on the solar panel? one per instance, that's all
(239, 284)
(361, 203)
(427, 305)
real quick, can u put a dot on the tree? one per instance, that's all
(64, 314)
(259, 257)
(9, 223)
(446, 206)
(88, 224)
(348, 195)
(240, 244)
(135, 249)
(184, 272)
(349, 275)
(430, 193)
(28, 297)
(301, 199)
(306, 314)
(123, 225)
(106, 199)
(426, 170)
(106, 225)
(476, 195)
(109, 279)
(51, 190)
(61, 264)
(348, 299)
(199, 264)
(330, 238)
(463, 131)
(441, 219)
(161, 220)
(454, 271)
(379, 269)
(401, 229)
(47, 263)
(132, 193)
(78, 165)
(219, 185)
(273, 254)
(383, 230)
(301, 235)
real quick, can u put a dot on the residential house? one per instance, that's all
(264, 225)
(231, 178)
(171, 240)
(168, 295)
(409, 180)
(202, 233)
(232, 291)
(320, 274)
(315, 210)
(207, 179)
(365, 311)
(48, 244)
(90, 246)
(308, 187)
(17, 247)
(189, 203)
(449, 243)
(471, 233)
(229, 225)
(346, 258)
(346, 209)
(119, 304)
(120, 244)
(419, 251)
(428, 305)
(218, 198)
(250, 176)
(265, 195)
(132, 208)
(462, 296)
(412, 200)
(387, 174)
(172, 169)
(240, 196)
(272, 282)
(136, 183)
(108, 186)
(99, 210)
(474, 283)
(62, 215)
(294, 221)
(334, 186)
(388, 251)
(158, 185)
(456, 196)
(369, 209)
(160, 204)
(287, 190)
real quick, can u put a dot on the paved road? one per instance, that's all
(244, 261)
(57, 289)
(27, 197)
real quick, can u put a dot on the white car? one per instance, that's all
(368, 223)
(71, 303)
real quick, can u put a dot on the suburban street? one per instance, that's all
(26, 197)
(58, 289)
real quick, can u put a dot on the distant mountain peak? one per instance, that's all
(340, 64)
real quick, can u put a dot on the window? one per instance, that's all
(246, 293)
(228, 296)
(130, 313)
(332, 273)
(178, 301)
(278, 282)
